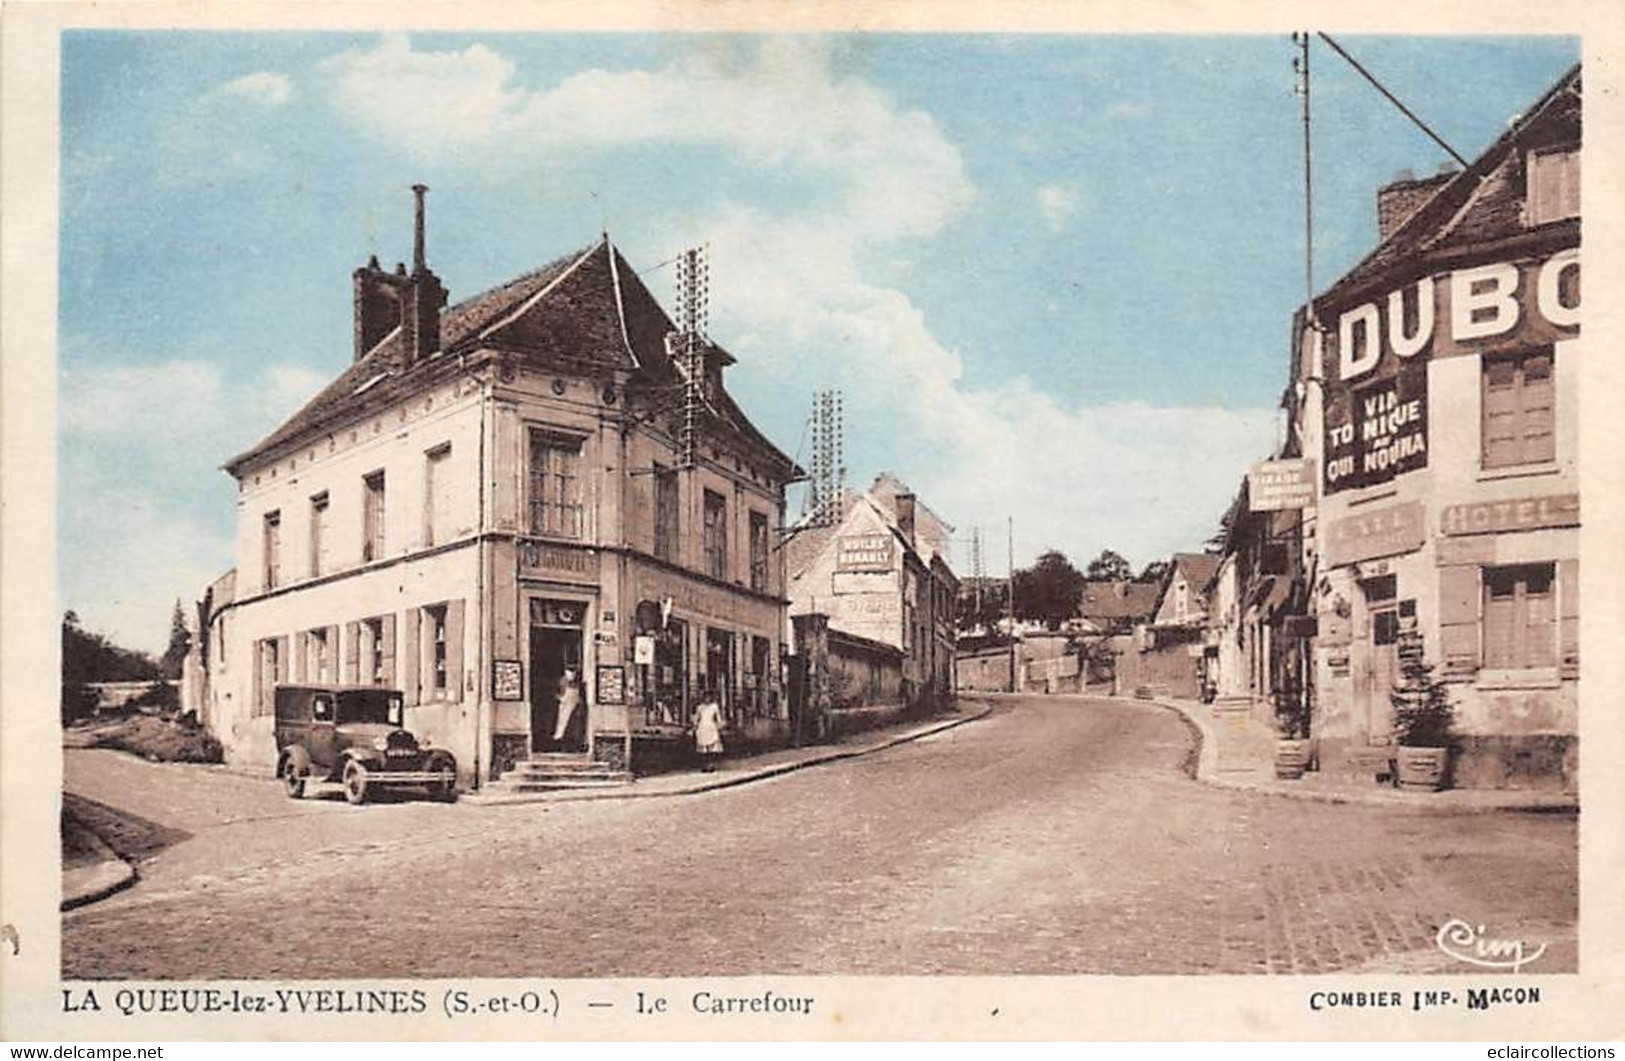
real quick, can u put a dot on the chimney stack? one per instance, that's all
(1402, 197)
(386, 301)
(904, 504)
(418, 263)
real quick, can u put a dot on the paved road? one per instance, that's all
(1056, 836)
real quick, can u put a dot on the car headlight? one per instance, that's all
(380, 743)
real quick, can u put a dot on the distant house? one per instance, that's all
(880, 574)
(1116, 605)
(1183, 601)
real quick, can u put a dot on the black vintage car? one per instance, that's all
(353, 735)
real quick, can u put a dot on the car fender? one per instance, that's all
(433, 757)
(295, 753)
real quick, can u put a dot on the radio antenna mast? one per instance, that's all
(693, 305)
(826, 474)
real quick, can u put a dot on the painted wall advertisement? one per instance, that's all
(1378, 431)
(864, 552)
(1280, 484)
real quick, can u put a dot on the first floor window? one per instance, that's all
(716, 535)
(1520, 617)
(1518, 409)
(556, 507)
(273, 549)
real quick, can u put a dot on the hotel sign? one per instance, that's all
(1273, 485)
(559, 562)
(864, 552)
(1385, 531)
(1514, 514)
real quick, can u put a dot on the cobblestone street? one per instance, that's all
(1055, 836)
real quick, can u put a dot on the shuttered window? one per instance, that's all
(273, 549)
(666, 513)
(436, 496)
(716, 535)
(1519, 414)
(1554, 185)
(372, 517)
(1520, 617)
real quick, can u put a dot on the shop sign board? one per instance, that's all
(864, 552)
(1513, 514)
(1280, 484)
(1386, 531)
(566, 563)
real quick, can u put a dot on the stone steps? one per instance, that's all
(557, 771)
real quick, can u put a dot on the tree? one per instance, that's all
(180, 643)
(1109, 565)
(1155, 571)
(983, 609)
(1423, 714)
(1050, 590)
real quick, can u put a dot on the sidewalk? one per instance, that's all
(97, 873)
(741, 771)
(1239, 754)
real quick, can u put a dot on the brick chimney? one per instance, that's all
(904, 505)
(411, 302)
(1404, 195)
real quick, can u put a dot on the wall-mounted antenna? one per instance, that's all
(693, 300)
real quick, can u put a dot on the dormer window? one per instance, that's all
(1553, 185)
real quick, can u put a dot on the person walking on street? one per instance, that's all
(708, 731)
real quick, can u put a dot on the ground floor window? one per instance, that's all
(719, 670)
(665, 681)
(1520, 617)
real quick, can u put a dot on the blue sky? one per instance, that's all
(1052, 274)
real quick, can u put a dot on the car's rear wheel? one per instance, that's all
(355, 782)
(293, 778)
(444, 790)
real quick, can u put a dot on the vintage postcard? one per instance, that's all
(811, 521)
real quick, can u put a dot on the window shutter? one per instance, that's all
(282, 656)
(1568, 603)
(295, 667)
(261, 702)
(454, 650)
(1502, 444)
(389, 651)
(352, 653)
(411, 667)
(1537, 399)
(1458, 619)
(333, 653)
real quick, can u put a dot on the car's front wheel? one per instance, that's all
(355, 782)
(445, 789)
(294, 772)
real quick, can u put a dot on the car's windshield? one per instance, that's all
(368, 705)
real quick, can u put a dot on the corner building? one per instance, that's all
(1439, 396)
(491, 493)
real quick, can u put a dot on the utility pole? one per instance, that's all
(1300, 64)
(1010, 593)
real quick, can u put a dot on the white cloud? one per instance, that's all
(131, 560)
(1141, 479)
(1059, 204)
(1125, 109)
(141, 399)
(262, 87)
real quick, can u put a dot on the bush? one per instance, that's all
(1423, 714)
(78, 703)
(163, 741)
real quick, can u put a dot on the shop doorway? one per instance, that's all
(1382, 657)
(719, 669)
(555, 649)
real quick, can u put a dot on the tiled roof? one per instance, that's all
(569, 313)
(1198, 568)
(1118, 599)
(1481, 204)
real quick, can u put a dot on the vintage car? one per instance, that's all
(353, 735)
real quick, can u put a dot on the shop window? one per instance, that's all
(1520, 617)
(716, 535)
(666, 513)
(1554, 185)
(1518, 400)
(556, 508)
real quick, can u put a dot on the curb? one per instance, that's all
(1207, 775)
(97, 881)
(565, 796)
